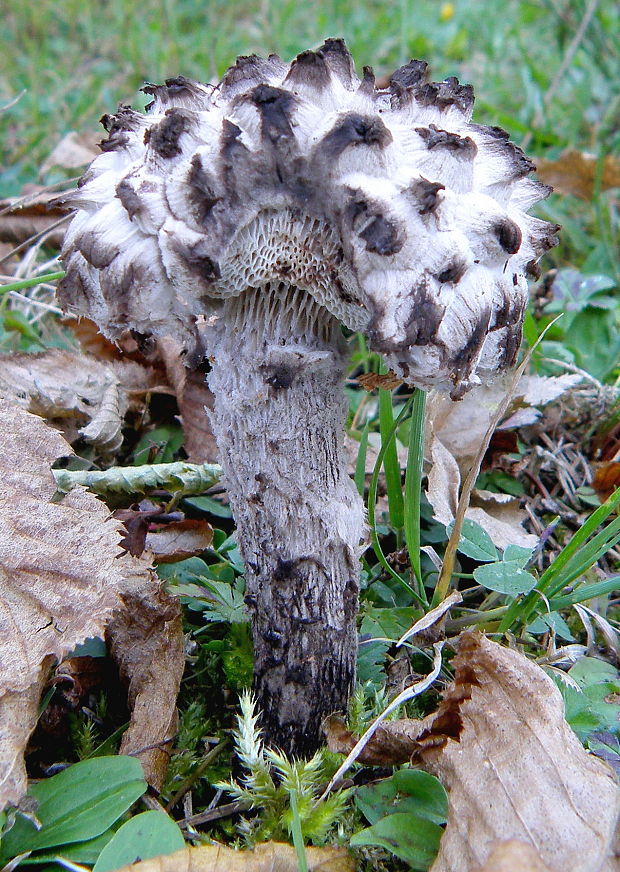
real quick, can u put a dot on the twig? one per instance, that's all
(191, 779)
(36, 238)
(216, 814)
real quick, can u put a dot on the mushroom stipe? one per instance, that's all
(250, 220)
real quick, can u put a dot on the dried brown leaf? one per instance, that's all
(403, 740)
(269, 857)
(20, 222)
(454, 433)
(145, 638)
(179, 540)
(77, 393)
(73, 151)
(518, 771)
(193, 399)
(574, 172)
(58, 567)
(371, 381)
(514, 856)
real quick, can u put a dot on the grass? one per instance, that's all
(547, 71)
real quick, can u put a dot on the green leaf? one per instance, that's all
(476, 542)
(79, 852)
(77, 804)
(552, 621)
(517, 555)
(150, 834)
(210, 505)
(408, 790)
(506, 578)
(413, 839)
(427, 791)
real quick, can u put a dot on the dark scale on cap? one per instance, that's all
(508, 235)
(131, 201)
(164, 137)
(533, 270)
(464, 358)
(426, 193)
(354, 129)
(338, 59)
(246, 68)
(447, 93)
(95, 251)
(435, 137)
(308, 68)
(201, 192)
(453, 273)
(173, 89)
(274, 105)
(117, 126)
(382, 236)
(199, 263)
(411, 74)
(368, 83)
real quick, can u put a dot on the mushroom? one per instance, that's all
(250, 220)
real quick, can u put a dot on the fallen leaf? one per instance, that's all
(59, 573)
(454, 432)
(20, 220)
(574, 172)
(268, 857)
(514, 856)
(518, 771)
(145, 638)
(606, 478)
(193, 399)
(371, 381)
(73, 151)
(178, 540)
(19, 711)
(77, 393)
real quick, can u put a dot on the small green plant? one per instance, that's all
(73, 812)
(284, 793)
(406, 813)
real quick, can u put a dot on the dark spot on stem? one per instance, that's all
(279, 377)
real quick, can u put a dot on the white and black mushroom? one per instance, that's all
(251, 220)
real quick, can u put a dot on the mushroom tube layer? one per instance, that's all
(387, 205)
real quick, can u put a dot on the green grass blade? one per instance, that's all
(413, 484)
(297, 834)
(391, 465)
(30, 283)
(585, 592)
(372, 502)
(360, 465)
(598, 517)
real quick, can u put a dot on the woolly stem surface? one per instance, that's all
(277, 375)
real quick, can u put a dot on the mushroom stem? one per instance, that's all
(279, 413)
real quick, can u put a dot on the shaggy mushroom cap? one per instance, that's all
(387, 205)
